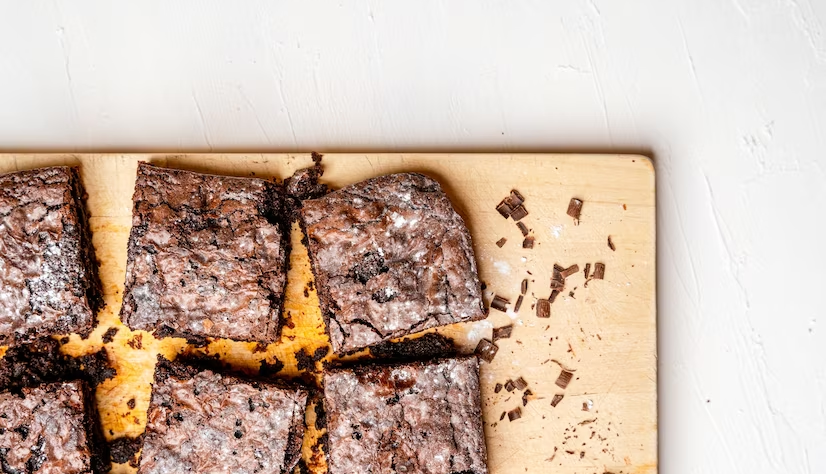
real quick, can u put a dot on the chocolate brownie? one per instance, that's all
(48, 275)
(422, 417)
(391, 257)
(200, 420)
(207, 257)
(51, 429)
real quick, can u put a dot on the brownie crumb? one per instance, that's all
(557, 398)
(503, 332)
(515, 414)
(564, 379)
(575, 209)
(528, 243)
(611, 244)
(520, 384)
(522, 228)
(518, 304)
(109, 335)
(543, 309)
(501, 242)
(499, 303)
(486, 350)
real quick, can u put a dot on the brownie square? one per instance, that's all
(200, 420)
(48, 274)
(49, 429)
(391, 257)
(422, 417)
(207, 257)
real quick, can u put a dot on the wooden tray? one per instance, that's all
(607, 421)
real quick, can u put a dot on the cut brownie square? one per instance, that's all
(422, 417)
(200, 420)
(207, 257)
(48, 274)
(51, 429)
(391, 257)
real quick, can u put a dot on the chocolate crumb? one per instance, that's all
(571, 294)
(522, 228)
(497, 388)
(570, 271)
(501, 242)
(599, 271)
(109, 335)
(503, 332)
(525, 397)
(575, 209)
(510, 385)
(520, 384)
(131, 403)
(564, 379)
(518, 304)
(515, 414)
(557, 398)
(486, 350)
(499, 303)
(504, 209)
(528, 243)
(587, 270)
(519, 213)
(524, 287)
(516, 197)
(611, 244)
(543, 309)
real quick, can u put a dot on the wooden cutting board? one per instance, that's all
(605, 332)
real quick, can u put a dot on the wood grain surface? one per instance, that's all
(604, 333)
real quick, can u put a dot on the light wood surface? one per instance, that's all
(606, 331)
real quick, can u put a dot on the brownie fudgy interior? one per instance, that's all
(200, 420)
(391, 257)
(48, 274)
(420, 417)
(207, 257)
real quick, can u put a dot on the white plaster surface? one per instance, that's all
(729, 96)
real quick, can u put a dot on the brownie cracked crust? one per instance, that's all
(200, 420)
(422, 417)
(48, 273)
(391, 257)
(207, 257)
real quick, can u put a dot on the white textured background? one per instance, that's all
(729, 97)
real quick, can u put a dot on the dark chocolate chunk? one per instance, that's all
(570, 271)
(515, 414)
(516, 198)
(504, 209)
(499, 303)
(486, 350)
(501, 242)
(520, 383)
(497, 388)
(587, 270)
(522, 228)
(557, 398)
(518, 304)
(575, 209)
(553, 296)
(524, 287)
(564, 379)
(599, 271)
(528, 243)
(543, 308)
(525, 395)
(611, 244)
(503, 332)
(510, 386)
(519, 213)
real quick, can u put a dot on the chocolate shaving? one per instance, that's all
(553, 296)
(504, 209)
(570, 271)
(519, 213)
(557, 398)
(528, 243)
(499, 303)
(516, 197)
(525, 396)
(543, 309)
(524, 288)
(497, 388)
(520, 384)
(522, 227)
(587, 270)
(599, 271)
(486, 350)
(503, 332)
(510, 386)
(575, 209)
(518, 304)
(562, 366)
(515, 414)
(501, 242)
(564, 379)
(611, 244)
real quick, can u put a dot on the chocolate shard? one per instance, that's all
(516, 197)
(486, 350)
(553, 296)
(515, 414)
(543, 309)
(522, 228)
(503, 332)
(498, 388)
(564, 379)
(525, 395)
(611, 244)
(557, 398)
(501, 242)
(556, 283)
(519, 213)
(528, 243)
(524, 288)
(587, 270)
(499, 303)
(520, 383)
(510, 386)
(570, 271)
(502, 416)
(599, 271)
(575, 209)
(518, 304)
(504, 209)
